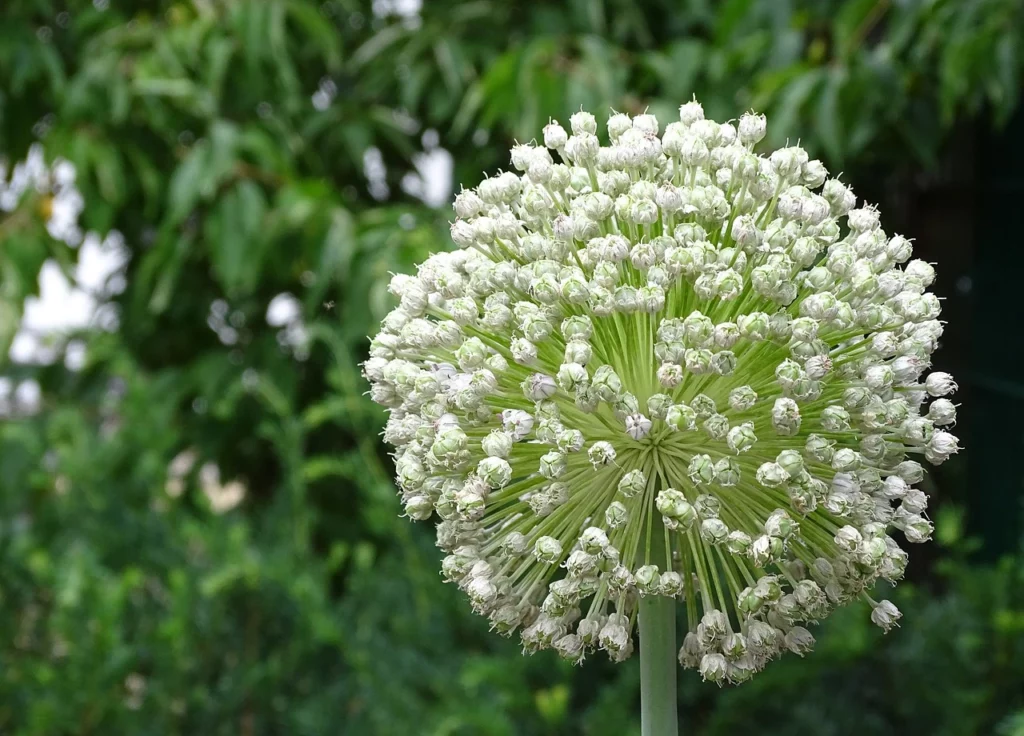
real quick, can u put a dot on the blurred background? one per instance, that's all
(200, 206)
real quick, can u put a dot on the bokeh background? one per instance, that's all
(200, 207)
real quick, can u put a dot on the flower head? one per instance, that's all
(59, 201)
(666, 366)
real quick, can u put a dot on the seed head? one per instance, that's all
(666, 366)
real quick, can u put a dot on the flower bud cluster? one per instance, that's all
(666, 366)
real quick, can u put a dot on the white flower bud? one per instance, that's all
(419, 508)
(647, 124)
(669, 375)
(571, 376)
(786, 417)
(752, 128)
(523, 351)
(593, 540)
(482, 592)
(885, 615)
(515, 544)
(577, 327)
(818, 366)
(742, 399)
(519, 423)
(845, 460)
(469, 505)
(570, 440)
(618, 124)
(791, 461)
(601, 453)
(607, 383)
(616, 515)
(942, 412)
(741, 437)
(940, 446)
(632, 483)
(799, 640)
(673, 505)
(814, 174)
(552, 464)
(555, 136)
(914, 502)
(910, 471)
(771, 475)
(495, 471)
(761, 552)
(921, 272)
(582, 149)
(637, 426)
(848, 538)
(570, 647)
(738, 543)
(547, 550)
(894, 487)
(939, 384)
(701, 470)
(779, 525)
(614, 638)
(691, 651)
(691, 112)
(670, 584)
(713, 531)
(539, 387)
(916, 529)
(583, 122)
(647, 579)
(713, 668)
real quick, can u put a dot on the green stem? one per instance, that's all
(658, 667)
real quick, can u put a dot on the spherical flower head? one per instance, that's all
(666, 366)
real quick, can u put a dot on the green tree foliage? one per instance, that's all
(226, 141)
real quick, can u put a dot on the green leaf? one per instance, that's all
(234, 235)
(224, 140)
(849, 24)
(731, 13)
(326, 466)
(336, 254)
(1006, 82)
(174, 88)
(10, 318)
(378, 44)
(789, 108)
(452, 73)
(184, 191)
(219, 53)
(162, 268)
(108, 172)
(678, 68)
(317, 29)
(828, 117)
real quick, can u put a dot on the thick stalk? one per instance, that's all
(658, 667)
(658, 647)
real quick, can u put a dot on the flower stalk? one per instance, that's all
(657, 629)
